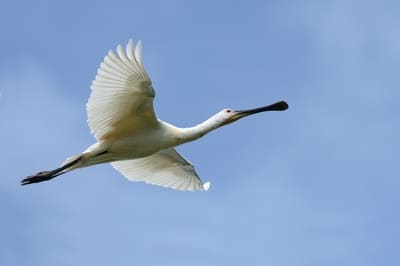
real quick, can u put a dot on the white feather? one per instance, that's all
(165, 168)
(121, 117)
(120, 88)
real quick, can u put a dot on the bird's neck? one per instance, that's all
(192, 133)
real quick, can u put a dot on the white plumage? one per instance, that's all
(165, 168)
(121, 90)
(121, 103)
(140, 146)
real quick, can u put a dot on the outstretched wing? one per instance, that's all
(166, 168)
(121, 102)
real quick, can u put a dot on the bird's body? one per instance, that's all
(129, 135)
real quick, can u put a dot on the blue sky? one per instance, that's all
(316, 185)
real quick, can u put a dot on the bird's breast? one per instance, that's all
(140, 145)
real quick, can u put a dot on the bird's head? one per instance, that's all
(227, 116)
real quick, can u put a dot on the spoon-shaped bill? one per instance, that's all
(278, 106)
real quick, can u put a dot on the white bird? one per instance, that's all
(129, 135)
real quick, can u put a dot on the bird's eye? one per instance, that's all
(228, 111)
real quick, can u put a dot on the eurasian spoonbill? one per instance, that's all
(128, 133)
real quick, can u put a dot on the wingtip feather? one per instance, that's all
(138, 51)
(206, 186)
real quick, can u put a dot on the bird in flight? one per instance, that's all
(128, 133)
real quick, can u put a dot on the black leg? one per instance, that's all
(47, 175)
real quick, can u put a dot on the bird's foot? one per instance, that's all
(47, 175)
(39, 177)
